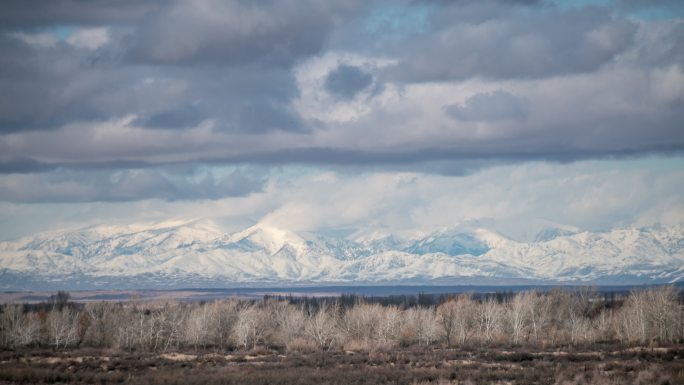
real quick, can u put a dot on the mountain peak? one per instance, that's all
(269, 237)
(552, 232)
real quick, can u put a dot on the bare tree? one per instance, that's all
(516, 314)
(467, 318)
(448, 318)
(101, 320)
(490, 314)
(18, 328)
(124, 330)
(651, 315)
(634, 317)
(62, 327)
(321, 326)
(225, 318)
(251, 326)
(665, 313)
(539, 308)
(157, 327)
(426, 325)
(288, 321)
(389, 325)
(559, 317)
(573, 313)
(10, 324)
(604, 325)
(197, 332)
(360, 322)
(174, 319)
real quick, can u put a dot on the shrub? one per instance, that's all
(301, 346)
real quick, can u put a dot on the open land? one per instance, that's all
(417, 365)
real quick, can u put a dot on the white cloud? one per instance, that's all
(592, 195)
(40, 40)
(89, 38)
(315, 102)
(516, 199)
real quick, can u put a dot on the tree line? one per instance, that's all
(555, 318)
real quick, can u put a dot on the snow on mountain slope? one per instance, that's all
(267, 238)
(551, 233)
(176, 251)
(587, 256)
(449, 243)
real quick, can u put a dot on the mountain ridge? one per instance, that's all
(198, 250)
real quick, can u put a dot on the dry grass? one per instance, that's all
(302, 365)
(301, 346)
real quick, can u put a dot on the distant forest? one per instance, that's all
(302, 324)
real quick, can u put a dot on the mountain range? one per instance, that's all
(199, 254)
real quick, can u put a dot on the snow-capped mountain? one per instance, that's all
(199, 253)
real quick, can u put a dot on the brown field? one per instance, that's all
(417, 365)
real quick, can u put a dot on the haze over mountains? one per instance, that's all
(199, 253)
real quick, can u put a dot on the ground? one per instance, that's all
(416, 365)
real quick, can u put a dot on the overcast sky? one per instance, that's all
(326, 114)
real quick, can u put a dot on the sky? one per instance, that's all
(319, 115)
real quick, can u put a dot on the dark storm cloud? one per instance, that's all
(24, 165)
(660, 43)
(516, 45)
(499, 105)
(137, 71)
(66, 185)
(183, 116)
(33, 87)
(237, 32)
(27, 14)
(423, 159)
(346, 81)
(264, 118)
(253, 100)
(47, 88)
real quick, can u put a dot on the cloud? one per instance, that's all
(266, 117)
(236, 33)
(520, 44)
(624, 113)
(178, 117)
(124, 185)
(36, 13)
(517, 199)
(586, 194)
(498, 105)
(23, 165)
(654, 10)
(47, 89)
(92, 88)
(89, 38)
(40, 40)
(347, 81)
